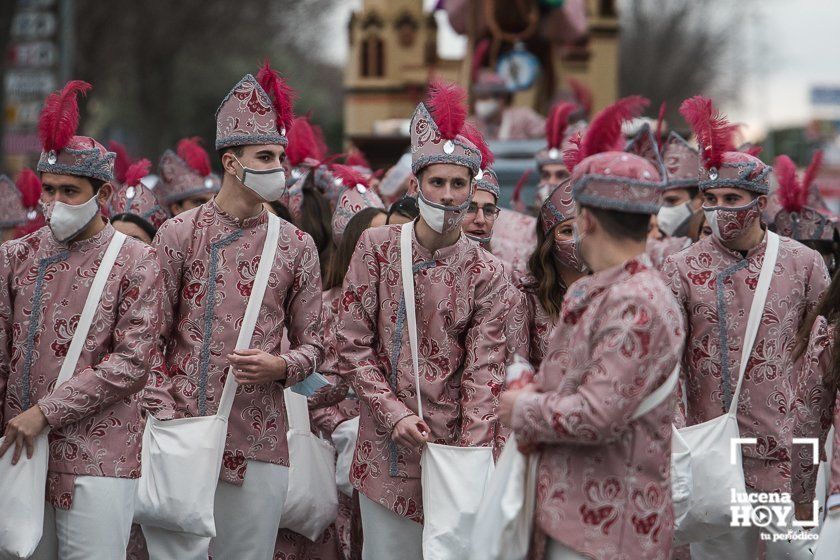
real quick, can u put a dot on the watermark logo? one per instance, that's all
(771, 509)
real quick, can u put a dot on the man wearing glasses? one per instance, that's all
(482, 211)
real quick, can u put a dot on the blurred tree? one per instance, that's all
(161, 68)
(673, 49)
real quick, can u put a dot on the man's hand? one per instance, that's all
(411, 432)
(255, 367)
(22, 431)
(509, 399)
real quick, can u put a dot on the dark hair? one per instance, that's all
(316, 220)
(96, 184)
(145, 225)
(281, 210)
(236, 150)
(405, 206)
(343, 254)
(544, 267)
(828, 307)
(622, 225)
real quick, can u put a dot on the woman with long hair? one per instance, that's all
(553, 267)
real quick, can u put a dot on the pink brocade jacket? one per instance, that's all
(604, 485)
(538, 324)
(209, 261)
(461, 301)
(94, 416)
(715, 286)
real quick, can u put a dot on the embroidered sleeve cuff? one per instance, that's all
(297, 367)
(526, 416)
(51, 412)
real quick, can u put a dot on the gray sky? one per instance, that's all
(794, 44)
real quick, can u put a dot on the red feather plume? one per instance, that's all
(660, 123)
(753, 150)
(349, 176)
(29, 186)
(281, 95)
(811, 173)
(520, 184)
(304, 142)
(122, 162)
(790, 189)
(557, 123)
(357, 158)
(472, 134)
(582, 93)
(137, 171)
(447, 104)
(604, 134)
(59, 118)
(190, 150)
(714, 133)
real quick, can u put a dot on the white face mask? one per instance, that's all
(670, 218)
(66, 221)
(440, 218)
(486, 108)
(269, 184)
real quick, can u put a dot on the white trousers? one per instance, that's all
(558, 551)
(828, 547)
(248, 516)
(163, 544)
(388, 536)
(742, 544)
(96, 527)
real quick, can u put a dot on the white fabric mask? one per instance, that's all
(486, 108)
(440, 218)
(269, 184)
(670, 218)
(66, 221)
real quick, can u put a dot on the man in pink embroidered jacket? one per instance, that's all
(93, 417)
(603, 487)
(210, 256)
(714, 281)
(460, 301)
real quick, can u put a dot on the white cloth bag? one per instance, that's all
(312, 498)
(713, 475)
(23, 486)
(181, 458)
(453, 478)
(505, 519)
(344, 439)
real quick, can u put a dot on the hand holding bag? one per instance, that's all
(453, 478)
(23, 486)
(713, 475)
(181, 458)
